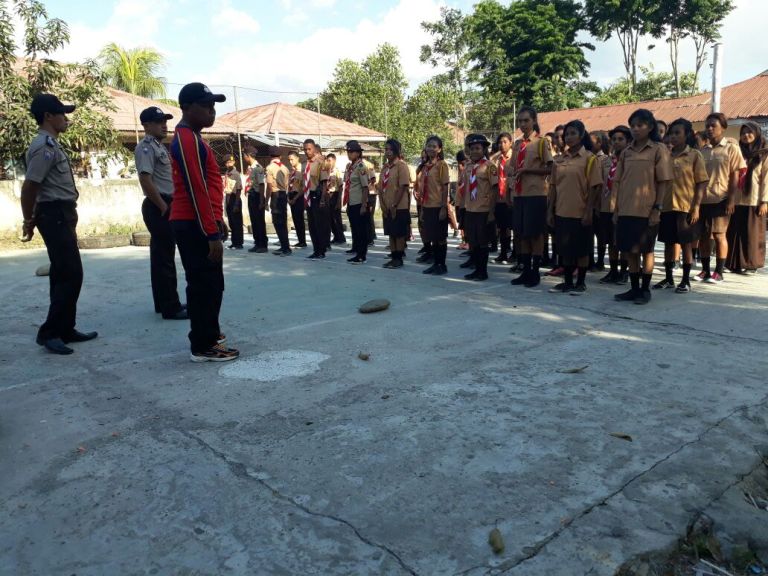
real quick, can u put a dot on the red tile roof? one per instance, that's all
(288, 120)
(747, 99)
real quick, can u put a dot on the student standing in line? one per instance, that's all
(356, 200)
(601, 148)
(233, 203)
(680, 216)
(316, 200)
(643, 178)
(395, 202)
(620, 137)
(574, 191)
(481, 185)
(746, 230)
(724, 164)
(296, 199)
(277, 177)
(461, 162)
(434, 180)
(425, 253)
(334, 200)
(528, 189)
(254, 189)
(503, 208)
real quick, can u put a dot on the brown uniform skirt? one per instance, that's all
(399, 226)
(635, 236)
(746, 239)
(674, 228)
(574, 240)
(503, 215)
(606, 231)
(433, 229)
(477, 229)
(714, 219)
(529, 216)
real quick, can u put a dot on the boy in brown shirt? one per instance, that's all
(395, 202)
(481, 179)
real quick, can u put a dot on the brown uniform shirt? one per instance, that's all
(334, 178)
(690, 171)
(432, 181)
(608, 197)
(721, 160)
(574, 178)
(313, 173)
(536, 157)
(501, 163)
(461, 186)
(638, 176)
(758, 194)
(277, 177)
(294, 180)
(481, 194)
(396, 176)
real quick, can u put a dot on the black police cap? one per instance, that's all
(43, 103)
(476, 139)
(274, 151)
(354, 146)
(198, 93)
(153, 114)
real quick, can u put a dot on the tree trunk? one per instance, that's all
(674, 40)
(701, 56)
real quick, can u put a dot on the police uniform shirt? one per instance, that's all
(277, 176)
(357, 176)
(48, 165)
(232, 182)
(152, 158)
(256, 176)
(483, 194)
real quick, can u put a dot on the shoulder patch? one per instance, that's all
(49, 140)
(145, 149)
(493, 170)
(47, 154)
(363, 170)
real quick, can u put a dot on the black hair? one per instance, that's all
(605, 142)
(293, 153)
(720, 117)
(435, 138)
(751, 152)
(395, 145)
(621, 129)
(559, 127)
(506, 135)
(586, 140)
(310, 141)
(534, 116)
(662, 122)
(423, 159)
(551, 135)
(646, 116)
(331, 155)
(690, 133)
(460, 156)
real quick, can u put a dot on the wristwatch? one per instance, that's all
(658, 207)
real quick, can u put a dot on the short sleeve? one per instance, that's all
(595, 176)
(39, 163)
(271, 180)
(664, 170)
(699, 168)
(403, 174)
(145, 158)
(736, 159)
(546, 153)
(444, 175)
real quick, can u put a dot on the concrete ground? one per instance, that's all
(301, 458)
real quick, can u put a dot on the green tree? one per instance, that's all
(450, 50)
(629, 20)
(427, 112)
(528, 51)
(651, 85)
(135, 70)
(21, 78)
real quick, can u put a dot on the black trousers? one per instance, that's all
(162, 258)
(57, 223)
(234, 208)
(319, 218)
(297, 215)
(258, 221)
(371, 224)
(279, 207)
(337, 226)
(360, 229)
(205, 285)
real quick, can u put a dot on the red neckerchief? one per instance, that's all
(473, 179)
(612, 172)
(425, 183)
(385, 177)
(307, 181)
(519, 165)
(502, 176)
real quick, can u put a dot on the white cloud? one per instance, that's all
(229, 20)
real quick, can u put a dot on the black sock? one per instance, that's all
(647, 281)
(568, 275)
(668, 266)
(582, 275)
(705, 265)
(719, 265)
(614, 266)
(536, 264)
(634, 280)
(527, 260)
(624, 266)
(686, 274)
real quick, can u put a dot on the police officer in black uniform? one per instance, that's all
(49, 202)
(153, 163)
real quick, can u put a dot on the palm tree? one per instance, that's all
(134, 70)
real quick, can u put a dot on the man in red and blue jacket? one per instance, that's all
(197, 220)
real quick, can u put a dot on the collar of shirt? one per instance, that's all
(684, 152)
(647, 144)
(580, 152)
(723, 142)
(46, 133)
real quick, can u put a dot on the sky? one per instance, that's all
(292, 46)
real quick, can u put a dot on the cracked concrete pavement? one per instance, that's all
(126, 458)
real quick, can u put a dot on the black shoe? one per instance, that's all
(329, 247)
(431, 270)
(425, 258)
(468, 264)
(233, 247)
(321, 256)
(394, 263)
(561, 288)
(313, 256)
(579, 289)
(480, 277)
(351, 251)
(663, 285)
(180, 315)
(520, 280)
(55, 345)
(77, 336)
(643, 297)
(423, 250)
(441, 269)
(465, 253)
(627, 296)
(471, 275)
(338, 242)
(286, 252)
(623, 278)
(500, 259)
(610, 278)
(356, 260)
(258, 250)
(300, 245)
(533, 280)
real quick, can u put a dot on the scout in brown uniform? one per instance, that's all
(425, 253)
(576, 183)
(433, 188)
(316, 201)
(528, 189)
(356, 199)
(620, 137)
(680, 215)
(458, 201)
(334, 200)
(503, 209)
(746, 230)
(643, 180)
(277, 199)
(233, 188)
(371, 201)
(481, 178)
(296, 199)
(395, 202)
(724, 163)
(601, 148)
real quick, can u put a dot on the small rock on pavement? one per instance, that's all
(374, 306)
(43, 270)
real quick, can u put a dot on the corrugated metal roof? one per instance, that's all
(292, 121)
(747, 99)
